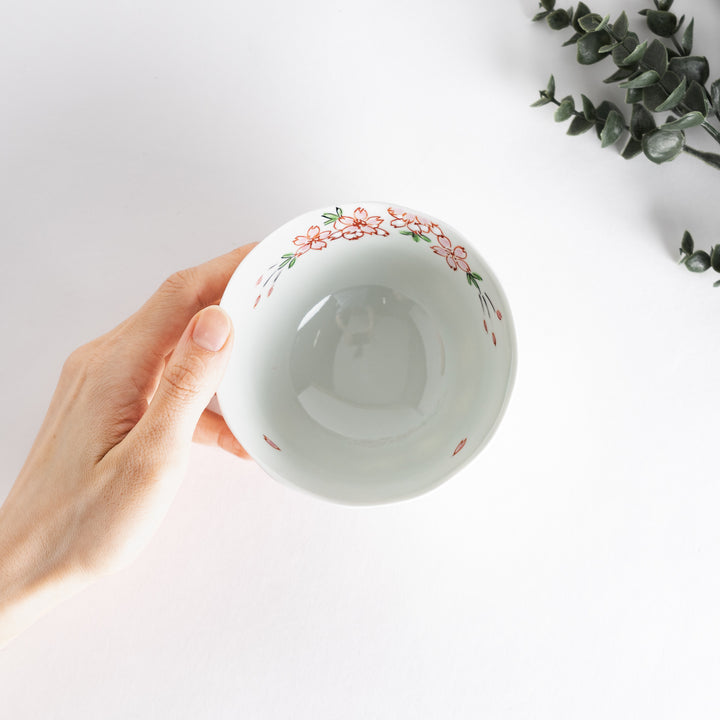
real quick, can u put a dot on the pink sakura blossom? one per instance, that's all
(413, 223)
(455, 257)
(358, 224)
(314, 239)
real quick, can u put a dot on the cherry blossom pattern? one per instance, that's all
(359, 224)
(353, 227)
(314, 239)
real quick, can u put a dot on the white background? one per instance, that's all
(572, 570)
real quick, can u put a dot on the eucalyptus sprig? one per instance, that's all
(659, 75)
(658, 78)
(698, 260)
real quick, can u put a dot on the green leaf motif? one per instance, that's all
(649, 77)
(698, 262)
(588, 47)
(661, 22)
(549, 5)
(292, 262)
(691, 119)
(662, 146)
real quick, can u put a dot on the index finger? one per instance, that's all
(158, 324)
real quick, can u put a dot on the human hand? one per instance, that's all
(114, 445)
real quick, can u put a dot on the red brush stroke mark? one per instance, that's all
(257, 300)
(499, 314)
(259, 280)
(271, 443)
(494, 339)
(460, 446)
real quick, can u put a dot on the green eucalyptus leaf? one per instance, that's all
(695, 98)
(620, 26)
(663, 4)
(588, 47)
(542, 101)
(540, 16)
(558, 19)
(603, 25)
(662, 146)
(691, 119)
(590, 23)
(688, 244)
(620, 74)
(641, 121)
(602, 113)
(687, 38)
(613, 128)
(549, 5)
(674, 98)
(649, 77)
(609, 48)
(716, 283)
(633, 57)
(692, 67)
(579, 125)
(572, 40)
(656, 57)
(632, 148)
(580, 11)
(588, 108)
(633, 95)
(715, 258)
(699, 261)
(565, 110)
(550, 89)
(715, 95)
(662, 23)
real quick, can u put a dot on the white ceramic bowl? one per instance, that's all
(374, 353)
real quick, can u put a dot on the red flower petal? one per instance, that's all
(444, 242)
(460, 446)
(361, 213)
(460, 252)
(271, 443)
(463, 265)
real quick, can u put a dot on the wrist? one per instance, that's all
(32, 580)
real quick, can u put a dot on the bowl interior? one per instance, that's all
(369, 367)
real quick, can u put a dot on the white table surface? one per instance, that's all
(572, 570)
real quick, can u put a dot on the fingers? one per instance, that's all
(190, 379)
(213, 430)
(155, 328)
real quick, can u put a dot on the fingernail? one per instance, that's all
(212, 328)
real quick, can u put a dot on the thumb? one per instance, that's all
(190, 379)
